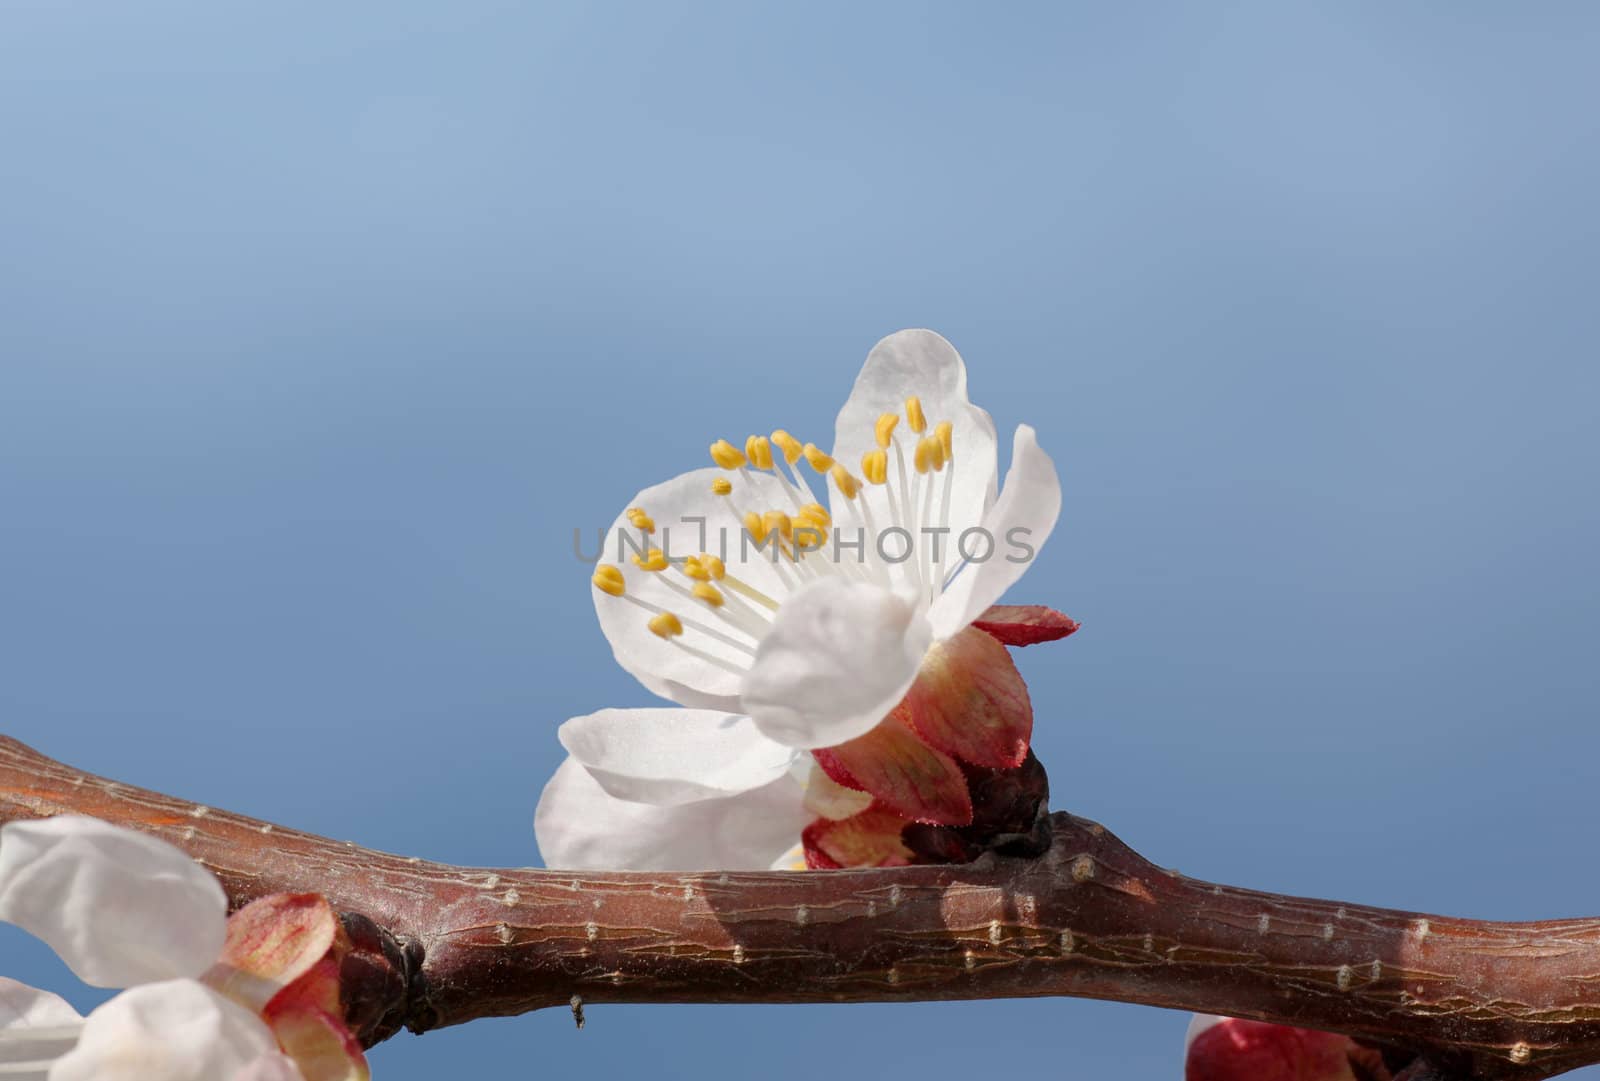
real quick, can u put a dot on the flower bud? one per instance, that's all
(1229, 1049)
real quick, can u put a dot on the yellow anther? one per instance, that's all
(848, 485)
(665, 625)
(721, 485)
(819, 461)
(927, 455)
(726, 454)
(875, 467)
(884, 429)
(811, 524)
(708, 593)
(608, 579)
(789, 445)
(713, 566)
(694, 569)
(653, 560)
(817, 513)
(776, 519)
(759, 451)
(754, 526)
(808, 537)
(914, 417)
(943, 432)
(641, 520)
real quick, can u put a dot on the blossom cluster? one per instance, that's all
(829, 697)
(206, 996)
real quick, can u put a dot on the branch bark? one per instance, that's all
(442, 945)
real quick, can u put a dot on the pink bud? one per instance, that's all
(1228, 1049)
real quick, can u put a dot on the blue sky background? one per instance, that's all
(321, 327)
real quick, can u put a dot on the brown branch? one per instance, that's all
(1091, 918)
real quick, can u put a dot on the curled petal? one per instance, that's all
(272, 942)
(1230, 1049)
(1019, 523)
(581, 826)
(671, 756)
(177, 1030)
(906, 775)
(60, 877)
(868, 839)
(1025, 624)
(921, 363)
(36, 1028)
(969, 700)
(839, 655)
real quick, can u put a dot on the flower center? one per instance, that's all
(905, 486)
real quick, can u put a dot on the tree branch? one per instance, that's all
(441, 945)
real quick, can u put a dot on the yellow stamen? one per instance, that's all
(875, 467)
(713, 566)
(819, 461)
(608, 579)
(884, 429)
(927, 455)
(817, 513)
(726, 454)
(759, 451)
(665, 625)
(811, 524)
(693, 568)
(653, 560)
(752, 593)
(776, 519)
(808, 538)
(943, 432)
(708, 593)
(848, 485)
(721, 485)
(914, 417)
(754, 526)
(641, 520)
(789, 445)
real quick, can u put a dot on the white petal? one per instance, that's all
(23, 1007)
(270, 1067)
(689, 519)
(671, 756)
(581, 827)
(179, 1030)
(36, 1028)
(839, 657)
(120, 907)
(1024, 515)
(921, 363)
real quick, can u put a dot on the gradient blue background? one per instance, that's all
(322, 326)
